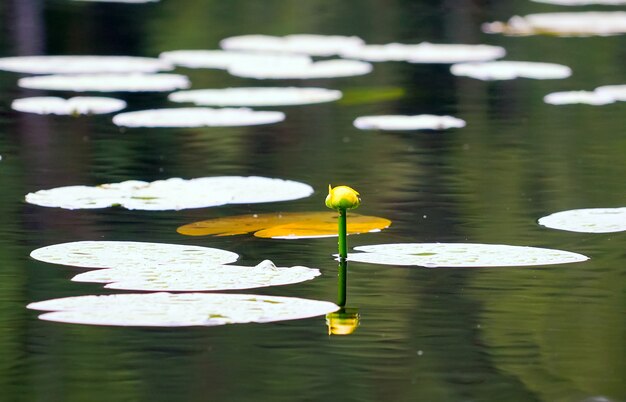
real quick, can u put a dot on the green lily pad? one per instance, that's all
(435, 255)
(584, 23)
(79, 105)
(284, 225)
(311, 44)
(83, 64)
(197, 117)
(172, 194)
(107, 82)
(179, 310)
(590, 220)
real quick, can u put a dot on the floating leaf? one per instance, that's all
(107, 82)
(508, 70)
(223, 59)
(591, 220)
(178, 310)
(113, 254)
(172, 194)
(433, 255)
(562, 24)
(425, 53)
(83, 64)
(197, 117)
(418, 122)
(73, 106)
(583, 2)
(314, 45)
(180, 277)
(256, 96)
(321, 69)
(284, 225)
(600, 96)
(122, 1)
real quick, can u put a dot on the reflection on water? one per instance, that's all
(517, 334)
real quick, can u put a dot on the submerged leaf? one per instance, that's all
(172, 194)
(590, 220)
(197, 117)
(83, 64)
(256, 96)
(508, 70)
(178, 310)
(78, 105)
(107, 82)
(365, 95)
(562, 24)
(433, 255)
(398, 122)
(284, 225)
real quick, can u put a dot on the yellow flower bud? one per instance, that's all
(342, 197)
(342, 322)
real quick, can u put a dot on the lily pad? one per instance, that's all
(399, 122)
(314, 45)
(83, 64)
(197, 117)
(113, 254)
(284, 225)
(180, 277)
(256, 96)
(172, 194)
(425, 53)
(617, 92)
(107, 82)
(508, 70)
(590, 220)
(121, 1)
(587, 23)
(73, 106)
(320, 69)
(600, 96)
(179, 310)
(223, 59)
(434, 255)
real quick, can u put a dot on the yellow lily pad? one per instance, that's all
(284, 225)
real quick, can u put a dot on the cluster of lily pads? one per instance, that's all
(164, 268)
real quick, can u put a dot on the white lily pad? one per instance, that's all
(114, 254)
(223, 59)
(256, 96)
(73, 106)
(584, 23)
(172, 194)
(178, 310)
(590, 220)
(617, 92)
(180, 277)
(425, 53)
(508, 70)
(583, 2)
(399, 122)
(320, 69)
(107, 82)
(197, 117)
(314, 45)
(433, 255)
(83, 64)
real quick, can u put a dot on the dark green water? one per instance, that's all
(517, 334)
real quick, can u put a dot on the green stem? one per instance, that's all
(342, 283)
(343, 248)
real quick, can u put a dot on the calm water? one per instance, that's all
(516, 334)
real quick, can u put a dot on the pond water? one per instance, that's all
(547, 333)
